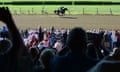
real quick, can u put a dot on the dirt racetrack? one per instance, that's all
(68, 21)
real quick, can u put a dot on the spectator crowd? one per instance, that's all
(57, 50)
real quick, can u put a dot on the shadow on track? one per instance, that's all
(67, 17)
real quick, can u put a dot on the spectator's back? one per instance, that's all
(76, 60)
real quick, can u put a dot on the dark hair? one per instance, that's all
(34, 52)
(77, 39)
(46, 56)
(5, 46)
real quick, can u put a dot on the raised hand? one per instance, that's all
(5, 15)
(18, 57)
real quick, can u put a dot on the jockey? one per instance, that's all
(61, 8)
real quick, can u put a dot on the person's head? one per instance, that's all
(34, 53)
(116, 53)
(91, 51)
(5, 46)
(46, 56)
(4, 29)
(77, 39)
(106, 66)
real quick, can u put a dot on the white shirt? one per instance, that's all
(114, 38)
(58, 45)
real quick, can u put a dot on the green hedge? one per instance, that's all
(58, 0)
(60, 3)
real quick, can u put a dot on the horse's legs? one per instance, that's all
(58, 12)
(62, 13)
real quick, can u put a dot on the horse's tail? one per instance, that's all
(55, 11)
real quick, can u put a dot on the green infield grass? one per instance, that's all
(73, 9)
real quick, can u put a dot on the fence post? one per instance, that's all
(32, 11)
(97, 11)
(15, 12)
(83, 11)
(111, 11)
(43, 10)
(20, 11)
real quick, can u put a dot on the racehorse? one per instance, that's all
(60, 12)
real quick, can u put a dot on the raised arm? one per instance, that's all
(18, 52)
(17, 41)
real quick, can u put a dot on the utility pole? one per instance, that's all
(3, 3)
(43, 7)
(73, 4)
